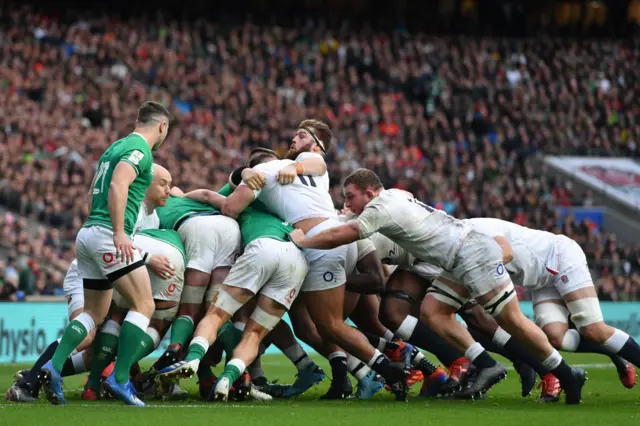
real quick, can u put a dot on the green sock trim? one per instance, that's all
(105, 349)
(231, 372)
(195, 352)
(131, 338)
(73, 335)
(181, 330)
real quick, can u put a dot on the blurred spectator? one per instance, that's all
(458, 121)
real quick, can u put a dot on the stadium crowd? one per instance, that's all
(459, 122)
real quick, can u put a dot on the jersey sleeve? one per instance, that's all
(307, 155)
(139, 156)
(225, 190)
(371, 220)
(270, 170)
(365, 248)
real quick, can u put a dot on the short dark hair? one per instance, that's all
(259, 159)
(321, 130)
(150, 111)
(362, 179)
(262, 150)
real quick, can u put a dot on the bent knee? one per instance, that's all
(598, 332)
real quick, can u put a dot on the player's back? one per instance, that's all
(307, 197)
(135, 151)
(534, 251)
(428, 234)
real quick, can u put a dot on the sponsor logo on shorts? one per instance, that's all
(500, 269)
(564, 279)
(107, 257)
(328, 276)
(290, 296)
(171, 288)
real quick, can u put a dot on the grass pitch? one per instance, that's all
(605, 402)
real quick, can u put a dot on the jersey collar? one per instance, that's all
(136, 133)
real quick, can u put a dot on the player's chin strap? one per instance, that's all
(315, 138)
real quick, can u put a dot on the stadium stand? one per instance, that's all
(460, 122)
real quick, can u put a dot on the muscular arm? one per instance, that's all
(507, 250)
(208, 197)
(235, 204)
(370, 276)
(123, 175)
(313, 166)
(331, 238)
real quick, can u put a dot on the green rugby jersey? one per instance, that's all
(134, 150)
(178, 208)
(168, 236)
(257, 222)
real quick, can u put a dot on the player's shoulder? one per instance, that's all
(273, 166)
(307, 155)
(388, 198)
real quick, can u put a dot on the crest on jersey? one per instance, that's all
(136, 156)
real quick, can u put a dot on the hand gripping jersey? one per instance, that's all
(307, 197)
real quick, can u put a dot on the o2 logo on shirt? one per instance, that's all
(328, 276)
(500, 269)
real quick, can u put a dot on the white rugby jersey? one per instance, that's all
(146, 220)
(534, 252)
(365, 246)
(307, 197)
(430, 235)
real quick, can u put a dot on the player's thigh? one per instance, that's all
(549, 310)
(351, 300)
(479, 267)
(448, 290)
(73, 290)
(169, 289)
(267, 314)
(328, 268)
(291, 267)
(325, 307)
(251, 270)
(135, 288)
(403, 295)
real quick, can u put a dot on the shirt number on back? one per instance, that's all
(423, 205)
(311, 182)
(102, 173)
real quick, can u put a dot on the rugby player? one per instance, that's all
(166, 289)
(107, 256)
(212, 242)
(554, 268)
(474, 259)
(27, 388)
(270, 265)
(307, 205)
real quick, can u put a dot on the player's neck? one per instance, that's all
(144, 134)
(149, 206)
